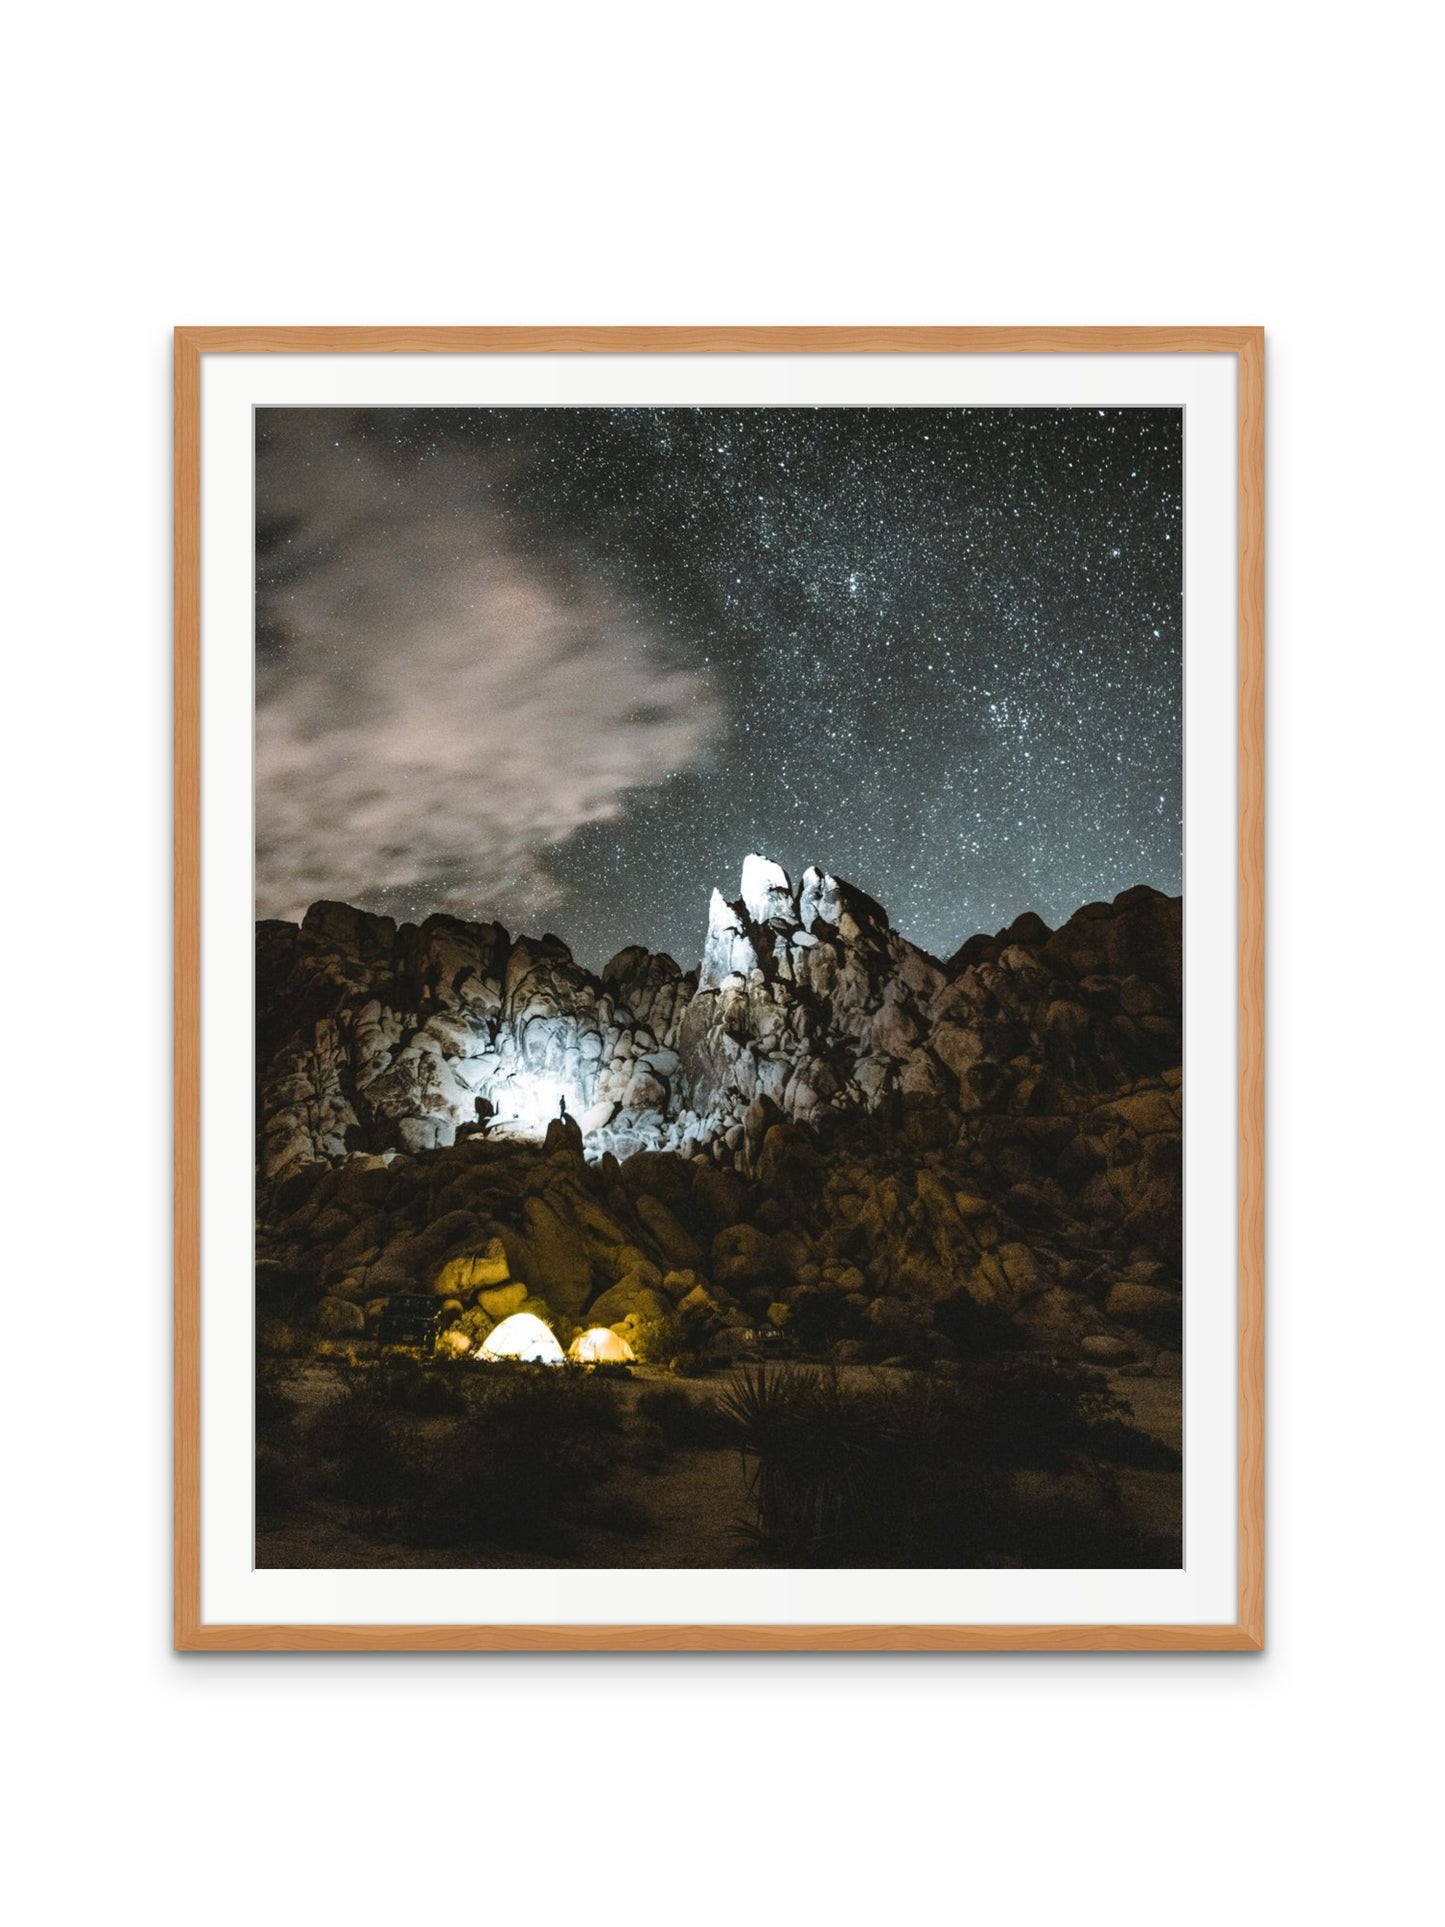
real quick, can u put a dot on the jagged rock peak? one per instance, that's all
(728, 950)
(374, 1039)
(767, 893)
(817, 898)
(770, 919)
(722, 916)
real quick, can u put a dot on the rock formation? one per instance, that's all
(821, 1116)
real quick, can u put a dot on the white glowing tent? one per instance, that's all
(600, 1347)
(525, 1339)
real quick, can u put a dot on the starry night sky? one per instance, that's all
(567, 667)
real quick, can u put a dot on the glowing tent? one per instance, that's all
(600, 1347)
(524, 1338)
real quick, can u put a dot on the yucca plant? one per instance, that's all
(882, 1470)
(808, 1445)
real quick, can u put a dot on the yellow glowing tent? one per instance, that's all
(525, 1339)
(600, 1347)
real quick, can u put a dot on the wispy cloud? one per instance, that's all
(442, 697)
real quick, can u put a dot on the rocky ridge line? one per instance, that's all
(375, 1038)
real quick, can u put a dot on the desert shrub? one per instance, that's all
(1034, 1410)
(811, 1444)
(1046, 1412)
(404, 1384)
(519, 1471)
(280, 1338)
(355, 1445)
(679, 1420)
(349, 1351)
(523, 1451)
(653, 1340)
(476, 1324)
(692, 1340)
(914, 1470)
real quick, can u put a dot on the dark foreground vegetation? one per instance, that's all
(1014, 1460)
(422, 1455)
(906, 1469)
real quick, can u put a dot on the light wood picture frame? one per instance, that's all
(1245, 347)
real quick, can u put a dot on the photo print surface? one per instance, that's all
(718, 987)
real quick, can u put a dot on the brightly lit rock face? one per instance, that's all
(767, 893)
(381, 1040)
(817, 899)
(727, 949)
(375, 1041)
(796, 1032)
(378, 1039)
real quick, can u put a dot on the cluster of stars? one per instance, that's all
(942, 648)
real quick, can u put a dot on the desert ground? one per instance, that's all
(673, 1487)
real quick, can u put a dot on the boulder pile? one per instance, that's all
(823, 1129)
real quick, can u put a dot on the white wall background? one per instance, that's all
(763, 162)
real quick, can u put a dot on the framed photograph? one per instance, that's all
(719, 988)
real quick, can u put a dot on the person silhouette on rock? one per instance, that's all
(562, 1109)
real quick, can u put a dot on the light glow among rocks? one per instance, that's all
(526, 1103)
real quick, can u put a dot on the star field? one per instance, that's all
(570, 665)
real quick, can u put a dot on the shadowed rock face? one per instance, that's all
(823, 1120)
